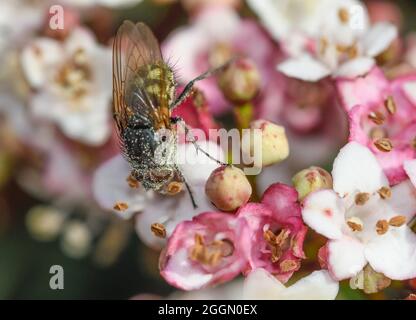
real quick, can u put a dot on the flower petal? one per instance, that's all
(363, 90)
(410, 168)
(110, 186)
(394, 253)
(403, 200)
(355, 67)
(304, 68)
(261, 285)
(345, 257)
(319, 285)
(356, 170)
(324, 212)
(379, 38)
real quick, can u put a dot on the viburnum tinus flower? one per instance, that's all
(364, 218)
(261, 285)
(204, 252)
(343, 53)
(116, 190)
(72, 83)
(276, 232)
(206, 43)
(382, 117)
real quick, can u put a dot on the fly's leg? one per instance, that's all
(192, 139)
(188, 88)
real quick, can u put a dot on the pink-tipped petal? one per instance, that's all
(324, 212)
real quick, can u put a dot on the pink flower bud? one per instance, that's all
(274, 144)
(228, 188)
(310, 180)
(240, 82)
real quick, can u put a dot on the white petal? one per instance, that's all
(379, 38)
(324, 212)
(195, 165)
(304, 68)
(355, 67)
(345, 257)
(394, 253)
(356, 170)
(319, 285)
(403, 200)
(38, 58)
(110, 186)
(410, 168)
(409, 89)
(261, 285)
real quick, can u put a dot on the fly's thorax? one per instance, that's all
(158, 81)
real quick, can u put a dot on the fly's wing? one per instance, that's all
(138, 90)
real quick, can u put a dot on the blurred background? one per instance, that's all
(48, 155)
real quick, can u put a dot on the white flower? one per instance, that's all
(293, 22)
(346, 59)
(324, 37)
(110, 187)
(73, 85)
(364, 219)
(261, 285)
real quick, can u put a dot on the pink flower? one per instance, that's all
(275, 240)
(204, 252)
(195, 112)
(364, 219)
(206, 43)
(383, 111)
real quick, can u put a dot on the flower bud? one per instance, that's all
(310, 180)
(228, 188)
(240, 82)
(272, 139)
(76, 240)
(44, 223)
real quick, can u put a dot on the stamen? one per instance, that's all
(121, 206)
(382, 227)
(390, 105)
(355, 224)
(132, 182)
(158, 230)
(377, 117)
(384, 192)
(384, 145)
(288, 265)
(344, 15)
(362, 198)
(397, 221)
(174, 187)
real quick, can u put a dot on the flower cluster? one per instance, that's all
(321, 96)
